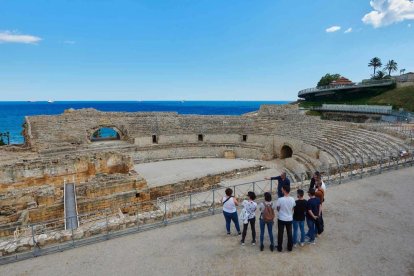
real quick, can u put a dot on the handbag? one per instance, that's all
(244, 216)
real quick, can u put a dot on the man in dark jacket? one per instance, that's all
(282, 180)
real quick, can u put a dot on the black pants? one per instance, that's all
(253, 226)
(280, 229)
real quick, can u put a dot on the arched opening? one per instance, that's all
(105, 134)
(286, 152)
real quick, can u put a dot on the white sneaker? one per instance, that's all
(302, 244)
(253, 243)
(295, 245)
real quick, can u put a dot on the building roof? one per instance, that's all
(341, 81)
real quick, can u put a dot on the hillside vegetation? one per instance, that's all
(402, 97)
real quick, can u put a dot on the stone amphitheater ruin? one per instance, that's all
(59, 150)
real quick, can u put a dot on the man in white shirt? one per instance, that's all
(285, 207)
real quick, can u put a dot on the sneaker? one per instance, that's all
(239, 233)
(228, 233)
(295, 245)
(261, 247)
(302, 244)
(271, 247)
(242, 243)
(312, 242)
(253, 243)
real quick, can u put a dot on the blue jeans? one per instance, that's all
(269, 230)
(301, 226)
(312, 228)
(231, 217)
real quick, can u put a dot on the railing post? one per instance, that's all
(271, 186)
(362, 167)
(254, 187)
(165, 212)
(73, 238)
(107, 225)
(380, 171)
(35, 249)
(329, 173)
(191, 209)
(398, 158)
(214, 202)
(389, 161)
(138, 215)
(340, 174)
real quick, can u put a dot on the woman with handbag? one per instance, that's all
(230, 210)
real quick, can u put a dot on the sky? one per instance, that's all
(194, 50)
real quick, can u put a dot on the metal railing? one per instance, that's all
(375, 109)
(364, 84)
(44, 238)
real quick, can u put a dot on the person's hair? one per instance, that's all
(317, 173)
(229, 192)
(251, 195)
(286, 188)
(300, 192)
(267, 196)
(311, 192)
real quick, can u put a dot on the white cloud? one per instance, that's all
(349, 30)
(14, 37)
(387, 12)
(333, 29)
(409, 25)
(69, 42)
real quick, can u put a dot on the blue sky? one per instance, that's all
(194, 50)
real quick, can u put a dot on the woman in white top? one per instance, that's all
(230, 210)
(250, 208)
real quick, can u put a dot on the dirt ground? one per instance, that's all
(369, 231)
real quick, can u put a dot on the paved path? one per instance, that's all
(369, 231)
(172, 171)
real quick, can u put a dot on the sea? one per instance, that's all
(12, 113)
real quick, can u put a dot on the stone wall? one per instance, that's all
(33, 189)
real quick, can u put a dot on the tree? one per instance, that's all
(327, 79)
(376, 63)
(379, 75)
(391, 66)
(2, 142)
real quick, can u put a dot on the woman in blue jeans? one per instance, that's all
(267, 221)
(230, 211)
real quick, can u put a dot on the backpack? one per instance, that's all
(268, 214)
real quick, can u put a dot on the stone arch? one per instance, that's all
(109, 132)
(286, 152)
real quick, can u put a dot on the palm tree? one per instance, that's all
(391, 66)
(375, 62)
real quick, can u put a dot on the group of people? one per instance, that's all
(291, 213)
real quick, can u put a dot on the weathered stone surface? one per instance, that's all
(59, 149)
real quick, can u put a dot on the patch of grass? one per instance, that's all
(402, 97)
(313, 113)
